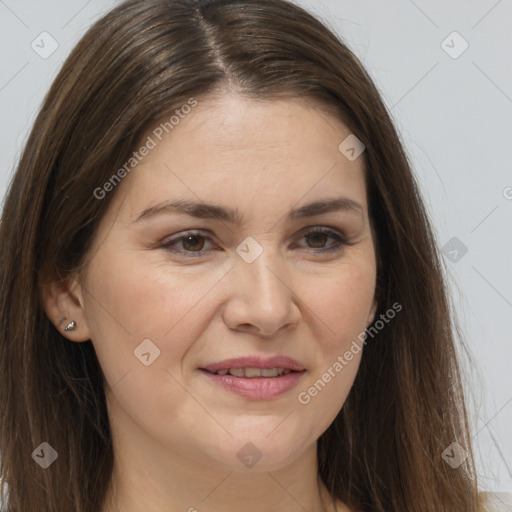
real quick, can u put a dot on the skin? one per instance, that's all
(176, 434)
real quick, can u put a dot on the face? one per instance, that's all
(170, 293)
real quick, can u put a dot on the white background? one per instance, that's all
(455, 118)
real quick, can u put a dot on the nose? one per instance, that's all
(261, 300)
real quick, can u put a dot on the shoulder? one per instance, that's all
(487, 501)
(495, 501)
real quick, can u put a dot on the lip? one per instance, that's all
(256, 388)
(255, 362)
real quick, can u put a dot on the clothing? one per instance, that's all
(496, 501)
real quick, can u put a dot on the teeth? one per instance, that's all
(255, 372)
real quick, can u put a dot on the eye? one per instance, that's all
(319, 236)
(193, 242)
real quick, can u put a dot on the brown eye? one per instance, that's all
(318, 240)
(318, 237)
(193, 242)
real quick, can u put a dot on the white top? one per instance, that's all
(496, 501)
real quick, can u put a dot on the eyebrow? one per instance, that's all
(202, 210)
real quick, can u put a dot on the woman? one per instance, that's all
(219, 286)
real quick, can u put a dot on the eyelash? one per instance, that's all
(342, 243)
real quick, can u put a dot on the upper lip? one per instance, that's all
(255, 362)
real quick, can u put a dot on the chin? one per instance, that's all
(257, 454)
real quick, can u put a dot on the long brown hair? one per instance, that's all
(145, 58)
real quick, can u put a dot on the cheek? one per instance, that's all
(126, 305)
(342, 303)
(131, 313)
(341, 306)
(142, 298)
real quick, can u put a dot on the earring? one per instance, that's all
(71, 326)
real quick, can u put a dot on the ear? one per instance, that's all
(373, 311)
(63, 304)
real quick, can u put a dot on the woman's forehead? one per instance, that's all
(261, 152)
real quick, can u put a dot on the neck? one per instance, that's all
(153, 479)
(151, 475)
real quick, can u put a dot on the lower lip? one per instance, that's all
(256, 388)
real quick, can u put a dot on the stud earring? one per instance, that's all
(71, 326)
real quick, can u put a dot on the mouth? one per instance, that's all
(253, 373)
(255, 366)
(255, 378)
